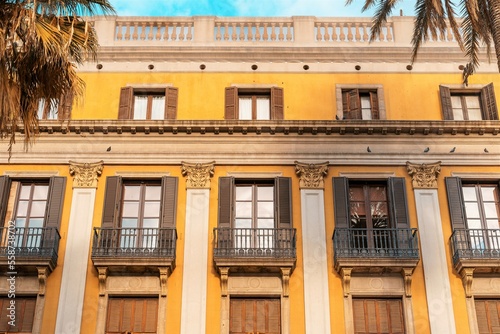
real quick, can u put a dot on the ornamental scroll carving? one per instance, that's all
(424, 175)
(85, 174)
(311, 176)
(198, 175)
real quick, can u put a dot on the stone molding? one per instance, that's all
(85, 174)
(198, 174)
(424, 176)
(311, 176)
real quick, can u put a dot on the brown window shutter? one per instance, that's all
(25, 313)
(283, 202)
(255, 315)
(341, 202)
(396, 187)
(231, 103)
(226, 201)
(171, 97)
(378, 315)
(168, 201)
(57, 185)
(351, 104)
(445, 96)
(488, 315)
(126, 103)
(456, 202)
(374, 105)
(4, 196)
(132, 314)
(65, 107)
(277, 103)
(489, 103)
(112, 201)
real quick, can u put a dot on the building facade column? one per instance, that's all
(433, 247)
(316, 295)
(194, 282)
(70, 307)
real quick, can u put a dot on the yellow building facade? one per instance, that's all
(258, 175)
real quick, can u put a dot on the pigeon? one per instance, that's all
(368, 149)
(486, 150)
(426, 150)
(108, 149)
(453, 150)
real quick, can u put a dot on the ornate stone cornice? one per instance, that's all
(311, 176)
(85, 174)
(424, 175)
(198, 174)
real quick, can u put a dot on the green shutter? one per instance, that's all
(445, 96)
(341, 202)
(398, 202)
(112, 201)
(283, 202)
(456, 202)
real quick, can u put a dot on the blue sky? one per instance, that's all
(283, 8)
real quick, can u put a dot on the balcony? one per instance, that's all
(29, 248)
(255, 249)
(476, 248)
(134, 249)
(375, 250)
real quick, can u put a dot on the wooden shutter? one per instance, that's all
(398, 203)
(57, 185)
(168, 201)
(25, 313)
(171, 97)
(4, 196)
(231, 103)
(277, 103)
(132, 314)
(341, 202)
(112, 201)
(352, 109)
(283, 202)
(374, 105)
(126, 103)
(489, 103)
(226, 201)
(378, 315)
(456, 202)
(255, 315)
(488, 315)
(65, 106)
(445, 96)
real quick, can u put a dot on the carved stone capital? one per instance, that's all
(164, 273)
(198, 174)
(85, 174)
(103, 275)
(407, 276)
(467, 277)
(346, 280)
(311, 176)
(285, 278)
(224, 276)
(424, 175)
(43, 272)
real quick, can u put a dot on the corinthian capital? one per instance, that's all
(198, 174)
(311, 176)
(424, 175)
(85, 174)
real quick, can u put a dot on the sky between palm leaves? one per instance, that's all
(284, 8)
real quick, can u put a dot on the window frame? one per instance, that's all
(486, 95)
(375, 91)
(233, 93)
(127, 100)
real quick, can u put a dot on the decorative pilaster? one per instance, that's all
(424, 175)
(346, 280)
(198, 174)
(311, 176)
(85, 174)
(467, 277)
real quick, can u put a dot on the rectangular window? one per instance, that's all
(25, 313)
(55, 108)
(148, 103)
(488, 315)
(360, 104)
(254, 103)
(378, 316)
(132, 315)
(255, 315)
(468, 104)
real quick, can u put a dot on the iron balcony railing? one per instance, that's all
(134, 242)
(30, 243)
(255, 242)
(376, 243)
(475, 244)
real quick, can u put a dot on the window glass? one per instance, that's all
(263, 108)
(158, 107)
(245, 108)
(456, 103)
(140, 107)
(473, 107)
(366, 108)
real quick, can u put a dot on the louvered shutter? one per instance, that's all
(283, 202)
(277, 103)
(231, 103)
(171, 98)
(4, 195)
(341, 202)
(25, 313)
(374, 105)
(445, 97)
(65, 106)
(488, 315)
(112, 202)
(378, 315)
(168, 212)
(132, 315)
(126, 103)
(489, 102)
(398, 202)
(226, 211)
(57, 185)
(354, 104)
(456, 202)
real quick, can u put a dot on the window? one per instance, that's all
(360, 104)
(132, 315)
(468, 104)
(254, 103)
(378, 315)
(53, 109)
(475, 207)
(25, 313)
(148, 103)
(255, 315)
(488, 315)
